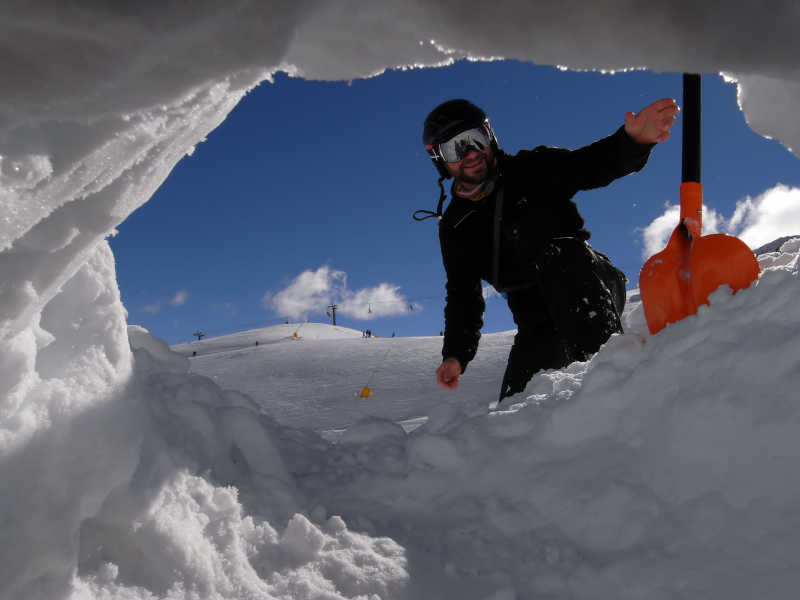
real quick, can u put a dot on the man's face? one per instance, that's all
(474, 167)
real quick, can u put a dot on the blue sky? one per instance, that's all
(304, 175)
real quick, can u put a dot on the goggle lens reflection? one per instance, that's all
(457, 147)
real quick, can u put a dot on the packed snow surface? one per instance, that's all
(663, 468)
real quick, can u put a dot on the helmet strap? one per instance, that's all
(421, 215)
(442, 196)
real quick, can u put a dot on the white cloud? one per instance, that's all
(656, 234)
(228, 308)
(180, 298)
(774, 213)
(309, 293)
(382, 300)
(153, 308)
(312, 292)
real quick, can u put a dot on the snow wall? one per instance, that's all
(99, 103)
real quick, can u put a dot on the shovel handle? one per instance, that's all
(690, 116)
(691, 188)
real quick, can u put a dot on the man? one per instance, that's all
(512, 222)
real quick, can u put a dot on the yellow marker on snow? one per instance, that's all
(365, 392)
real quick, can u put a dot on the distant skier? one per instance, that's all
(512, 222)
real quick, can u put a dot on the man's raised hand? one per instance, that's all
(651, 125)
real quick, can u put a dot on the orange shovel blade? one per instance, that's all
(664, 283)
(719, 259)
(674, 282)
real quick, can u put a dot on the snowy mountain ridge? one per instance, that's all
(266, 335)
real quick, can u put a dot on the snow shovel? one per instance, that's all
(675, 281)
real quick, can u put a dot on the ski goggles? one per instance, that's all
(457, 147)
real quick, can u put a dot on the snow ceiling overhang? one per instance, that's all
(101, 101)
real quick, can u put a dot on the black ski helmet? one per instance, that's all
(448, 119)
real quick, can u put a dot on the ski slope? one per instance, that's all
(315, 380)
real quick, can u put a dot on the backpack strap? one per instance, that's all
(498, 220)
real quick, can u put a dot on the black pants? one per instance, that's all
(572, 308)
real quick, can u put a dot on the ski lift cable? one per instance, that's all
(411, 304)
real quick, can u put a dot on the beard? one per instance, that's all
(482, 174)
(473, 179)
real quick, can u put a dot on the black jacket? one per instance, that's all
(537, 189)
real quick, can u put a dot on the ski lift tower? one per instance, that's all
(332, 312)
